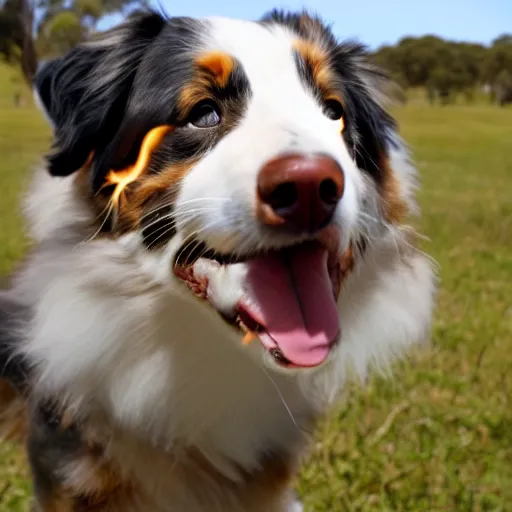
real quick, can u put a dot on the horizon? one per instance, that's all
(476, 23)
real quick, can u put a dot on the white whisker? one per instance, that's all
(292, 417)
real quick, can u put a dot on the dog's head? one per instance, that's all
(258, 158)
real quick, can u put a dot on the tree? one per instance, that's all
(498, 59)
(417, 57)
(442, 83)
(504, 39)
(60, 33)
(16, 39)
(446, 68)
(503, 87)
(59, 26)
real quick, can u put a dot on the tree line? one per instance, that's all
(40, 29)
(447, 69)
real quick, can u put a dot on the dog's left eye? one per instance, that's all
(204, 115)
(333, 109)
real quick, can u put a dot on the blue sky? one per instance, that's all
(374, 22)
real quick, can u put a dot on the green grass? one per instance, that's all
(439, 435)
(24, 135)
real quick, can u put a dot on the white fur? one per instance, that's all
(121, 338)
(47, 216)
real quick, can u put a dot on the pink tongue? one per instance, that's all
(290, 295)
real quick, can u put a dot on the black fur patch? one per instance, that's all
(157, 222)
(85, 93)
(368, 126)
(50, 449)
(13, 367)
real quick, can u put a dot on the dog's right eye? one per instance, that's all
(333, 109)
(205, 114)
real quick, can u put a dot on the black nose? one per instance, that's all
(299, 191)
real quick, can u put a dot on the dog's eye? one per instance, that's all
(333, 109)
(204, 115)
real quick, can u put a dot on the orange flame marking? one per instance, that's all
(121, 179)
(342, 124)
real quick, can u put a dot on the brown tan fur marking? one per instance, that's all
(140, 197)
(135, 190)
(213, 69)
(57, 503)
(149, 191)
(264, 486)
(395, 207)
(121, 179)
(317, 59)
(219, 64)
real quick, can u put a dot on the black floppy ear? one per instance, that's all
(369, 128)
(84, 94)
(43, 88)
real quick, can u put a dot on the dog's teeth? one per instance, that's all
(249, 336)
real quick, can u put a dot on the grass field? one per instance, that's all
(439, 436)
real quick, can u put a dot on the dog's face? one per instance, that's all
(255, 156)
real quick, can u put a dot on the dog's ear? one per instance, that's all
(369, 127)
(84, 94)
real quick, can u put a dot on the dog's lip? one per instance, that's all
(194, 250)
(188, 254)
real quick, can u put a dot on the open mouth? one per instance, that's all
(289, 299)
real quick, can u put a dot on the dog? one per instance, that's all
(219, 240)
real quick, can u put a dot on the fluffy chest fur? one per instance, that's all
(158, 363)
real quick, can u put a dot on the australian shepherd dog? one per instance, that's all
(219, 240)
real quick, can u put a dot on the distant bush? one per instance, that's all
(447, 69)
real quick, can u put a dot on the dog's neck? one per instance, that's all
(204, 391)
(212, 417)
